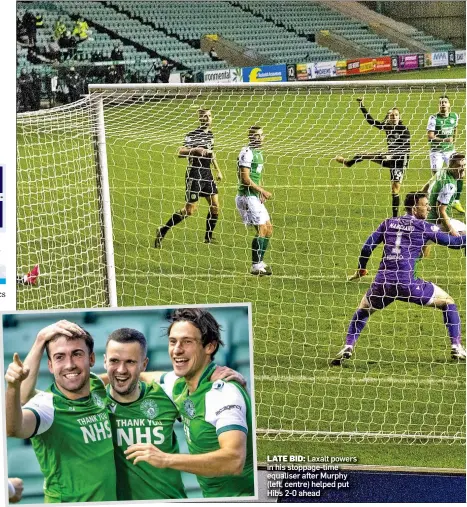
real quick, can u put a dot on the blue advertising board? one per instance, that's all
(265, 74)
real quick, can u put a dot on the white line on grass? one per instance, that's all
(163, 187)
(248, 275)
(362, 380)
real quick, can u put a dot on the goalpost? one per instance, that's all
(400, 384)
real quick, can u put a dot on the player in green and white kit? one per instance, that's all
(442, 191)
(251, 196)
(442, 128)
(217, 416)
(68, 423)
(139, 413)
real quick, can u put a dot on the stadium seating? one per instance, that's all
(308, 17)
(154, 30)
(232, 23)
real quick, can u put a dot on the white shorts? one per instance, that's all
(439, 158)
(252, 210)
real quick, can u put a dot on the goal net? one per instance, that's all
(400, 384)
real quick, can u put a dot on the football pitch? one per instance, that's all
(401, 380)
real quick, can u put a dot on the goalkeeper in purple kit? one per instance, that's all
(404, 238)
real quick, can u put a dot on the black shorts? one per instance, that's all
(196, 188)
(397, 164)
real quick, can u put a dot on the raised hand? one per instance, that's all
(16, 372)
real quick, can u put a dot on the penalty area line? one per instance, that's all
(361, 381)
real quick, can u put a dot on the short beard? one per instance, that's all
(131, 388)
(76, 389)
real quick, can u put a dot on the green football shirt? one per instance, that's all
(442, 190)
(443, 126)
(254, 160)
(73, 444)
(214, 408)
(149, 419)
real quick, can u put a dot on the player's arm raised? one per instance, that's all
(370, 120)
(19, 423)
(248, 182)
(33, 359)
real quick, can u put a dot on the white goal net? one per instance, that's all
(401, 382)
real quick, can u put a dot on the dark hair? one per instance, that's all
(208, 326)
(128, 335)
(444, 97)
(411, 200)
(455, 158)
(254, 129)
(88, 340)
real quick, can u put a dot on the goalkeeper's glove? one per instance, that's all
(358, 274)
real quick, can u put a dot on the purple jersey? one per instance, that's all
(403, 238)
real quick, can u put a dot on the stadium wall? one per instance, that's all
(445, 20)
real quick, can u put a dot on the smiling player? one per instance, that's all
(216, 416)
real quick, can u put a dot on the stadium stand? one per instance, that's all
(20, 332)
(152, 31)
(396, 31)
(308, 18)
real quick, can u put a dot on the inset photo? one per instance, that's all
(130, 404)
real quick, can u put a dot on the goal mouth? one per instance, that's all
(98, 178)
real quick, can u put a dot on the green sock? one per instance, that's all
(255, 250)
(460, 186)
(263, 242)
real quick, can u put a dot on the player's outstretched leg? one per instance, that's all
(347, 163)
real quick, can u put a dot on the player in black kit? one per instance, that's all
(397, 158)
(198, 148)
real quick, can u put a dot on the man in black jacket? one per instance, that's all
(397, 157)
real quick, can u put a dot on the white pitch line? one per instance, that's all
(363, 380)
(248, 275)
(220, 185)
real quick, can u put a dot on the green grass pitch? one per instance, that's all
(401, 379)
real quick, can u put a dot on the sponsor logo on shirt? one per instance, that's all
(149, 409)
(98, 401)
(228, 407)
(189, 407)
